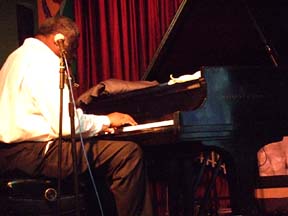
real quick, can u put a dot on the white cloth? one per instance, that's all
(30, 98)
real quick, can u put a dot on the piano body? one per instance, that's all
(237, 106)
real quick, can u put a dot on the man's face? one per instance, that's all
(71, 45)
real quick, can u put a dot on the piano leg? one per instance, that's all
(242, 173)
(205, 202)
(190, 185)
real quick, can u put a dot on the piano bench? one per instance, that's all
(27, 196)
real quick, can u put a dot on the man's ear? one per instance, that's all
(53, 44)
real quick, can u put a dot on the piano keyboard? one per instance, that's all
(140, 127)
(148, 125)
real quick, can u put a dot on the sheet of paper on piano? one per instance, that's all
(184, 78)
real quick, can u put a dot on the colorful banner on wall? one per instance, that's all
(48, 8)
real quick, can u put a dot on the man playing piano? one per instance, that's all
(29, 130)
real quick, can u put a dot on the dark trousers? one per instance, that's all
(120, 161)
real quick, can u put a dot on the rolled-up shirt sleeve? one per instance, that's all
(90, 124)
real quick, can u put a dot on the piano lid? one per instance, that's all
(221, 33)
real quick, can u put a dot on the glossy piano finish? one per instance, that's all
(152, 104)
(245, 106)
(245, 109)
(239, 100)
(232, 110)
(157, 102)
(239, 104)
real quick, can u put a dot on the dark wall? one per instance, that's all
(18, 19)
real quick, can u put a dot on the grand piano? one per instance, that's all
(235, 107)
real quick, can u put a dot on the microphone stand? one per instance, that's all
(63, 67)
(262, 37)
(61, 87)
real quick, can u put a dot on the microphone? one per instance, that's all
(59, 40)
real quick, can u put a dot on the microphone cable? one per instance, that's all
(69, 78)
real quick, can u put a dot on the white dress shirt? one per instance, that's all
(30, 98)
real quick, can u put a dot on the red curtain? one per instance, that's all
(119, 37)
